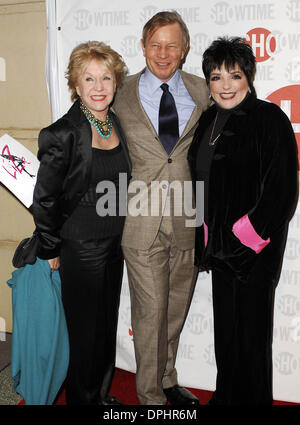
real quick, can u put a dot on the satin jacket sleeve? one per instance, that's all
(48, 192)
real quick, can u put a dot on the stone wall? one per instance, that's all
(24, 110)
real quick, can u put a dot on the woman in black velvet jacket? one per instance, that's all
(245, 152)
(77, 152)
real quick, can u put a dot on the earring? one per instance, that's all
(249, 90)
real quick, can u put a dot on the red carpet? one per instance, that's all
(123, 387)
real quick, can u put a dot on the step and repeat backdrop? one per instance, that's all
(272, 29)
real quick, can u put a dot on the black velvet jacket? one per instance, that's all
(65, 155)
(253, 172)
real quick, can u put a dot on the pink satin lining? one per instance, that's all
(205, 233)
(246, 233)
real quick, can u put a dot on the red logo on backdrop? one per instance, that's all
(263, 43)
(288, 98)
(130, 333)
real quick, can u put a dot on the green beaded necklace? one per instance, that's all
(98, 124)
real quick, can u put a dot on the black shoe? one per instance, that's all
(110, 400)
(180, 396)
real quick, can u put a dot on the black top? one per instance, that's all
(253, 174)
(207, 146)
(206, 151)
(99, 213)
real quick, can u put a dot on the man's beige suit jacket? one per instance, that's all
(160, 183)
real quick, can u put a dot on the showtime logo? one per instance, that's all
(289, 305)
(222, 13)
(130, 46)
(288, 99)
(286, 363)
(147, 12)
(293, 10)
(263, 43)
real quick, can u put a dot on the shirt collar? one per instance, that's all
(153, 83)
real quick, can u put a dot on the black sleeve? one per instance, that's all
(48, 192)
(279, 186)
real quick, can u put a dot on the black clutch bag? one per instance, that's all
(26, 252)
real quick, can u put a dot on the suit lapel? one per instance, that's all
(134, 104)
(192, 121)
(198, 106)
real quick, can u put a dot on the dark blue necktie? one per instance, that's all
(168, 120)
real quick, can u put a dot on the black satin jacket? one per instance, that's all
(65, 155)
(253, 171)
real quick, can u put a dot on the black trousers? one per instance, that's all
(91, 276)
(243, 328)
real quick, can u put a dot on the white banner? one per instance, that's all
(18, 169)
(272, 29)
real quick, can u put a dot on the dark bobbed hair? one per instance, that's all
(229, 51)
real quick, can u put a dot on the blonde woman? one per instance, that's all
(83, 148)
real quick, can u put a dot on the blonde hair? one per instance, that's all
(85, 52)
(162, 19)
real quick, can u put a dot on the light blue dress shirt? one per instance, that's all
(150, 95)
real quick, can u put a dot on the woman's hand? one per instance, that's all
(54, 263)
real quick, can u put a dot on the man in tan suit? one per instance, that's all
(158, 244)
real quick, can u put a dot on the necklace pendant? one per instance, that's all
(105, 134)
(213, 142)
(98, 124)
